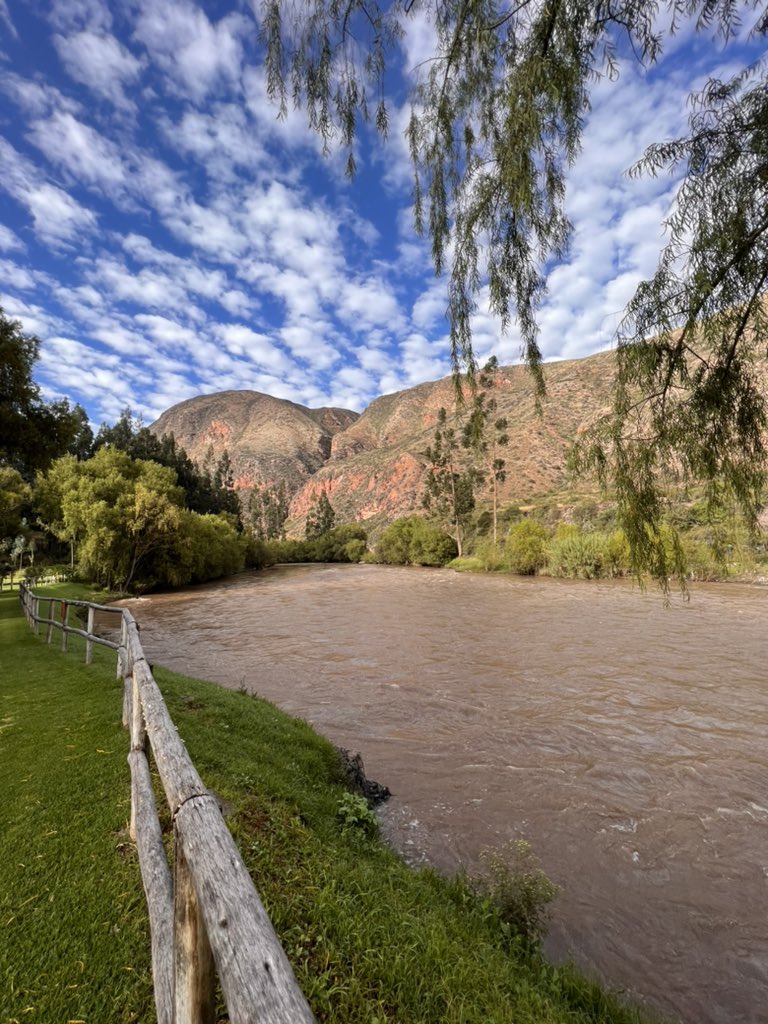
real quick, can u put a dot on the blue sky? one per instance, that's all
(165, 235)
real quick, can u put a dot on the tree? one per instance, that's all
(119, 512)
(268, 511)
(497, 118)
(206, 490)
(32, 432)
(320, 518)
(449, 490)
(15, 495)
(485, 434)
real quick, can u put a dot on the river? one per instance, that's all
(625, 739)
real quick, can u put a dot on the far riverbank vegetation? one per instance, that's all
(126, 523)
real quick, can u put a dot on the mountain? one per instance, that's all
(371, 466)
(375, 470)
(268, 439)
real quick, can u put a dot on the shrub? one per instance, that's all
(490, 555)
(355, 815)
(414, 541)
(518, 888)
(617, 552)
(466, 564)
(526, 547)
(578, 555)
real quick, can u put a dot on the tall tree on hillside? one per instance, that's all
(485, 434)
(449, 490)
(497, 119)
(268, 511)
(320, 518)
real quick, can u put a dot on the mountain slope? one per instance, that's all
(268, 439)
(375, 471)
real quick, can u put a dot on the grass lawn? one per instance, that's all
(371, 940)
(73, 924)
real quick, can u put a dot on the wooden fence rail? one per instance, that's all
(206, 918)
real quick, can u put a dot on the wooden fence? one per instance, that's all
(205, 915)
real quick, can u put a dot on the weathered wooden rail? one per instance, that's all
(206, 918)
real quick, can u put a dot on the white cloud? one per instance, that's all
(81, 151)
(36, 99)
(101, 62)
(5, 19)
(148, 288)
(168, 333)
(257, 348)
(9, 240)
(307, 341)
(368, 303)
(196, 54)
(14, 276)
(57, 217)
(221, 139)
(74, 15)
(429, 308)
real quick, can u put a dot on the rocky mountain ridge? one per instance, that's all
(372, 465)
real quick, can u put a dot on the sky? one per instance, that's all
(165, 235)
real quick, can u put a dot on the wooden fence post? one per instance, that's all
(89, 631)
(138, 738)
(158, 885)
(65, 624)
(193, 968)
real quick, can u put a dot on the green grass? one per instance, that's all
(73, 929)
(370, 939)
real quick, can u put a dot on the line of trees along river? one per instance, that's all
(625, 739)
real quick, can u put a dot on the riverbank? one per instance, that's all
(370, 939)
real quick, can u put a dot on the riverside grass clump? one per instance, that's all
(370, 939)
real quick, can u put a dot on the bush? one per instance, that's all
(526, 547)
(518, 888)
(490, 555)
(414, 541)
(346, 543)
(701, 560)
(258, 554)
(355, 815)
(617, 551)
(466, 564)
(578, 555)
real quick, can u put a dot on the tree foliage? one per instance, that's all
(320, 518)
(449, 489)
(207, 490)
(485, 435)
(497, 118)
(414, 541)
(127, 525)
(267, 511)
(32, 432)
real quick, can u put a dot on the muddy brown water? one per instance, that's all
(626, 740)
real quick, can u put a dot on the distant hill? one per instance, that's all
(371, 465)
(268, 439)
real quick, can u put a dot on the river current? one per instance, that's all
(626, 740)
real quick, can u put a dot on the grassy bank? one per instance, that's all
(370, 940)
